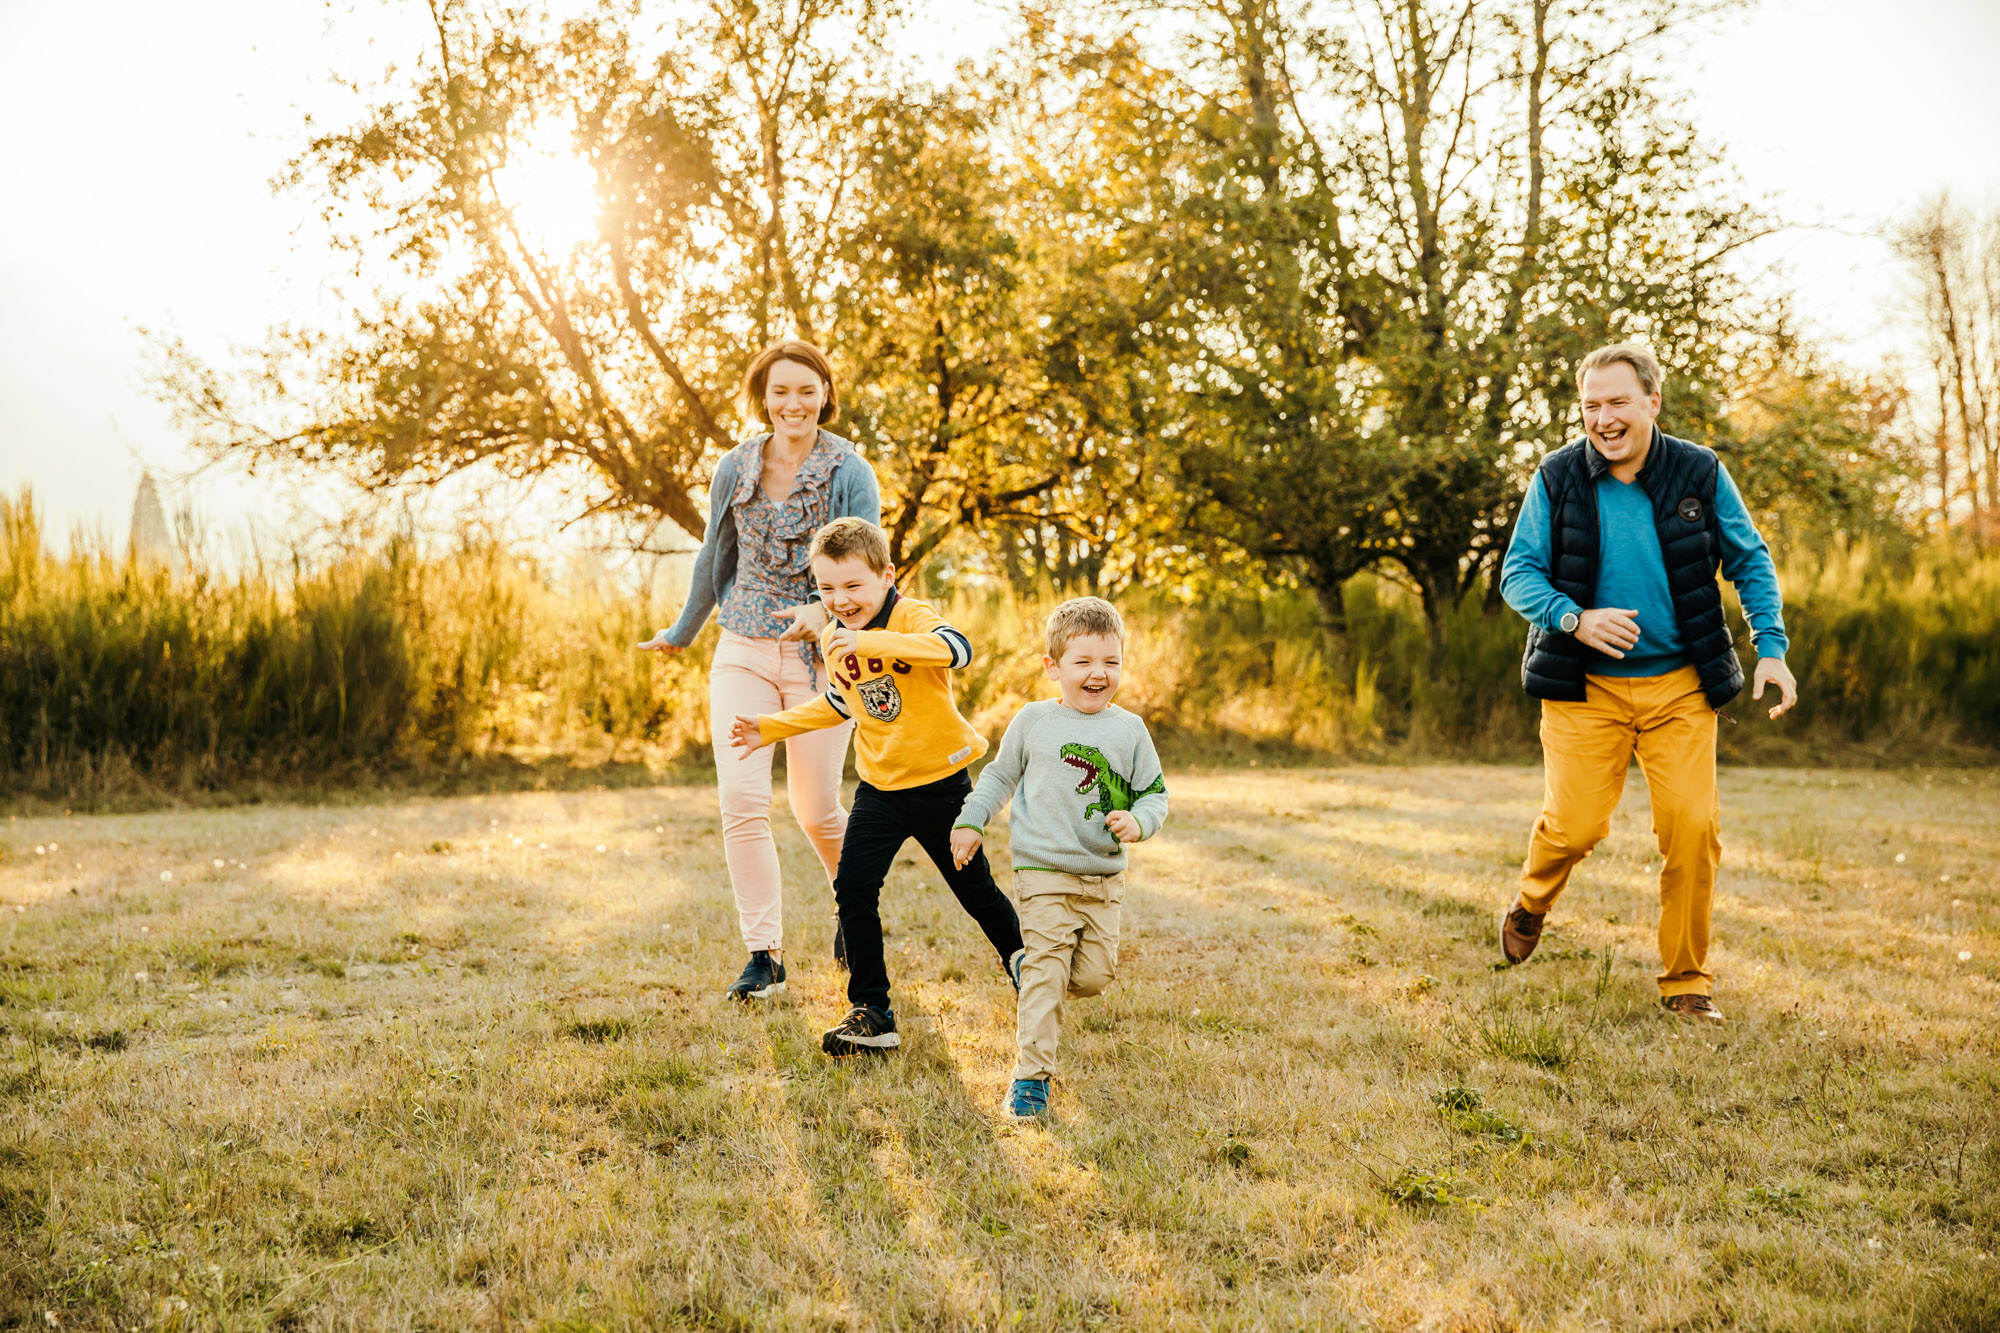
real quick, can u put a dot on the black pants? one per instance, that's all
(876, 829)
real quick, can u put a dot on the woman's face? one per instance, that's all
(793, 396)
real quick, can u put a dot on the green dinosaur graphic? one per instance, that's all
(1113, 792)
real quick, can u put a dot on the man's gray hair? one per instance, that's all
(1644, 364)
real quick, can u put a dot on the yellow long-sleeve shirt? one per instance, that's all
(896, 685)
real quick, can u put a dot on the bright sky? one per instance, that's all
(141, 136)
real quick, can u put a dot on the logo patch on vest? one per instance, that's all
(1690, 509)
(882, 699)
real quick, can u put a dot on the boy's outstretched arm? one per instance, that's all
(829, 710)
(992, 792)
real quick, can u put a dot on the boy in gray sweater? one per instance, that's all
(1085, 780)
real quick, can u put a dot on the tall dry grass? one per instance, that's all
(119, 682)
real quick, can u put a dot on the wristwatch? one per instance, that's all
(1569, 622)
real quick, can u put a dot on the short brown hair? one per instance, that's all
(846, 537)
(759, 374)
(1083, 615)
(1644, 364)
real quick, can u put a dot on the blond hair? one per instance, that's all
(1083, 615)
(846, 537)
(1644, 364)
(759, 375)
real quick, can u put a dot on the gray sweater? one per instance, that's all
(1071, 770)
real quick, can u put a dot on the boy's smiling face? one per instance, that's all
(852, 592)
(1087, 671)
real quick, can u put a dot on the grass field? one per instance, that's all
(464, 1064)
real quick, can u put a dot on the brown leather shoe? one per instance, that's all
(1692, 1006)
(1520, 932)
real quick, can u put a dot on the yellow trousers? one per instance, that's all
(1586, 749)
(1069, 926)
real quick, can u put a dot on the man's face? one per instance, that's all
(1618, 413)
(852, 592)
(1087, 671)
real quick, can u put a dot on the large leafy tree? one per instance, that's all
(755, 177)
(1373, 241)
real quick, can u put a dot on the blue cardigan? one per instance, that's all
(856, 494)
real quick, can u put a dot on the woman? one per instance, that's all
(770, 494)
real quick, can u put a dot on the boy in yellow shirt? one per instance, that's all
(891, 659)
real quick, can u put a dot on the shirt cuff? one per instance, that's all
(1562, 607)
(1772, 645)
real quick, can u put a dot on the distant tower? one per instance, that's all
(152, 543)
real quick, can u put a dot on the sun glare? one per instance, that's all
(553, 196)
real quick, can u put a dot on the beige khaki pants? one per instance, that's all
(1069, 926)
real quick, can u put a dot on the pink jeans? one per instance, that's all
(759, 676)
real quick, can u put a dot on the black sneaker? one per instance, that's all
(762, 978)
(839, 945)
(865, 1028)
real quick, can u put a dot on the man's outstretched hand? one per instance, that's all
(1773, 671)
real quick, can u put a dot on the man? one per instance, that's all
(1613, 563)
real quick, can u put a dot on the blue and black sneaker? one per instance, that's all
(1014, 961)
(762, 978)
(1028, 1099)
(865, 1028)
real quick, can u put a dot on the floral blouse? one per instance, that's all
(774, 570)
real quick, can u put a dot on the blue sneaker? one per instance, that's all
(1028, 1099)
(1014, 961)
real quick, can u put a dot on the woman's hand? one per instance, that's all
(808, 620)
(658, 644)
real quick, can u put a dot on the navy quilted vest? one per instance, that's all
(1680, 478)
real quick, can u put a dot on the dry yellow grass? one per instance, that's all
(464, 1063)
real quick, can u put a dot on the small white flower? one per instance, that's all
(145, 930)
(166, 876)
(219, 863)
(41, 850)
(659, 828)
(54, 845)
(600, 846)
(1944, 879)
(141, 976)
(1958, 902)
(1965, 955)
(542, 845)
(1900, 858)
(517, 842)
(1874, 1242)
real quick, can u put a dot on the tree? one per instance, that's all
(1955, 261)
(752, 179)
(1378, 239)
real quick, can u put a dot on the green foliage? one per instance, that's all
(1424, 1189)
(1465, 1109)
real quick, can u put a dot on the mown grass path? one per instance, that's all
(464, 1063)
